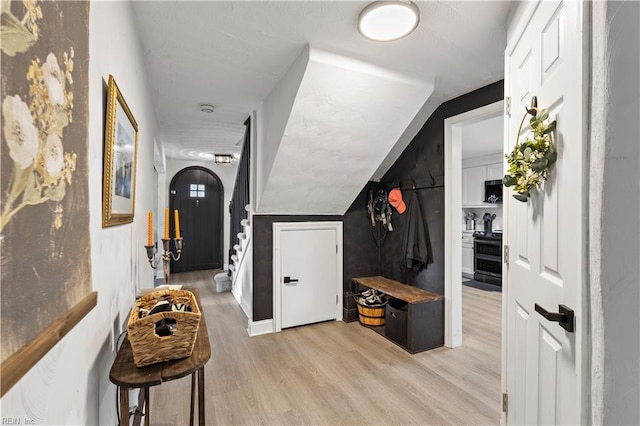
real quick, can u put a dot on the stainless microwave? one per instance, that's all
(493, 191)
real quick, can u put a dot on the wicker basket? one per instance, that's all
(372, 315)
(147, 346)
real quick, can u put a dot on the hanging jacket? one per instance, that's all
(416, 242)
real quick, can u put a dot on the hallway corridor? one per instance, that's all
(338, 373)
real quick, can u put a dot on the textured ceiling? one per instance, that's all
(231, 54)
(345, 118)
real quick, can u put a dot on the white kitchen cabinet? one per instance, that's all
(494, 171)
(473, 185)
(467, 254)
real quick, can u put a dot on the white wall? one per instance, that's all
(227, 175)
(497, 223)
(614, 268)
(483, 138)
(70, 385)
(272, 118)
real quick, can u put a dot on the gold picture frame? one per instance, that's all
(120, 158)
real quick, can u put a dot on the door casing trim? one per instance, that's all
(278, 227)
(453, 216)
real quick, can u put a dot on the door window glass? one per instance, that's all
(196, 190)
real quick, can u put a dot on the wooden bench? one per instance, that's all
(417, 328)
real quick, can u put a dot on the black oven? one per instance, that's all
(487, 257)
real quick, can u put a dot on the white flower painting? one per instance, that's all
(19, 132)
(53, 79)
(45, 246)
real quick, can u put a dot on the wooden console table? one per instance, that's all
(418, 329)
(125, 374)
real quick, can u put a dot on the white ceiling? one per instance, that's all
(483, 138)
(231, 54)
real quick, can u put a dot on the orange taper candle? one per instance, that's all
(166, 223)
(176, 218)
(150, 229)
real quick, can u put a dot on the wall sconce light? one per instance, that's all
(388, 20)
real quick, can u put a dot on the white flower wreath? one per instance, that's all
(530, 160)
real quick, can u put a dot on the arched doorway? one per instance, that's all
(198, 195)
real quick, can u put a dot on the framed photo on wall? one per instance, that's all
(120, 155)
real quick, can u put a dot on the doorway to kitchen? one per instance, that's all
(482, 171)
(473, 167)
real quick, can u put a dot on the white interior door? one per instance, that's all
(546, 235)
(308, 274)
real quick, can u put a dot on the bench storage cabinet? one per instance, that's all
(396, 321)
(414, 317)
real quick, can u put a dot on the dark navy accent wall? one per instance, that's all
(360, 255)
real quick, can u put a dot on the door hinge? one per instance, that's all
(336, 299)
(505, 402)
(507, 106)
(336, 249)
(506, 254)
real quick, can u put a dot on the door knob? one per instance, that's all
(288, 280)
(564, 318)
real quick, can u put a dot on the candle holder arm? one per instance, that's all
(151, 256)
(167, 255)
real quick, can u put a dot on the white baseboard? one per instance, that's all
(236, 293)
(256, 328)
(246, 308)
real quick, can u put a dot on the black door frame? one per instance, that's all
(219, 182)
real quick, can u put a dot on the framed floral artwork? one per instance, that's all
(45, 243)
(120, 155)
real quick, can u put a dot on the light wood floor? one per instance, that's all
(336, 373)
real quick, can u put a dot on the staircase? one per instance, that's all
(241, 266)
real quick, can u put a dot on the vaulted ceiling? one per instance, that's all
(231, 54)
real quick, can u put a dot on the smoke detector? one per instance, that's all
(207, 108)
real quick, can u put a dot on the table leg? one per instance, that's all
(193, 398)
(201, 421)
(124, 406)
(147, 403)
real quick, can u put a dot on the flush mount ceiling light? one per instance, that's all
(208, 108)
(222, 159)
(388, 20)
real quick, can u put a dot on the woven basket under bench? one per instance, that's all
(147, 346)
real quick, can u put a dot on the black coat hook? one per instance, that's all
(433, 180)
